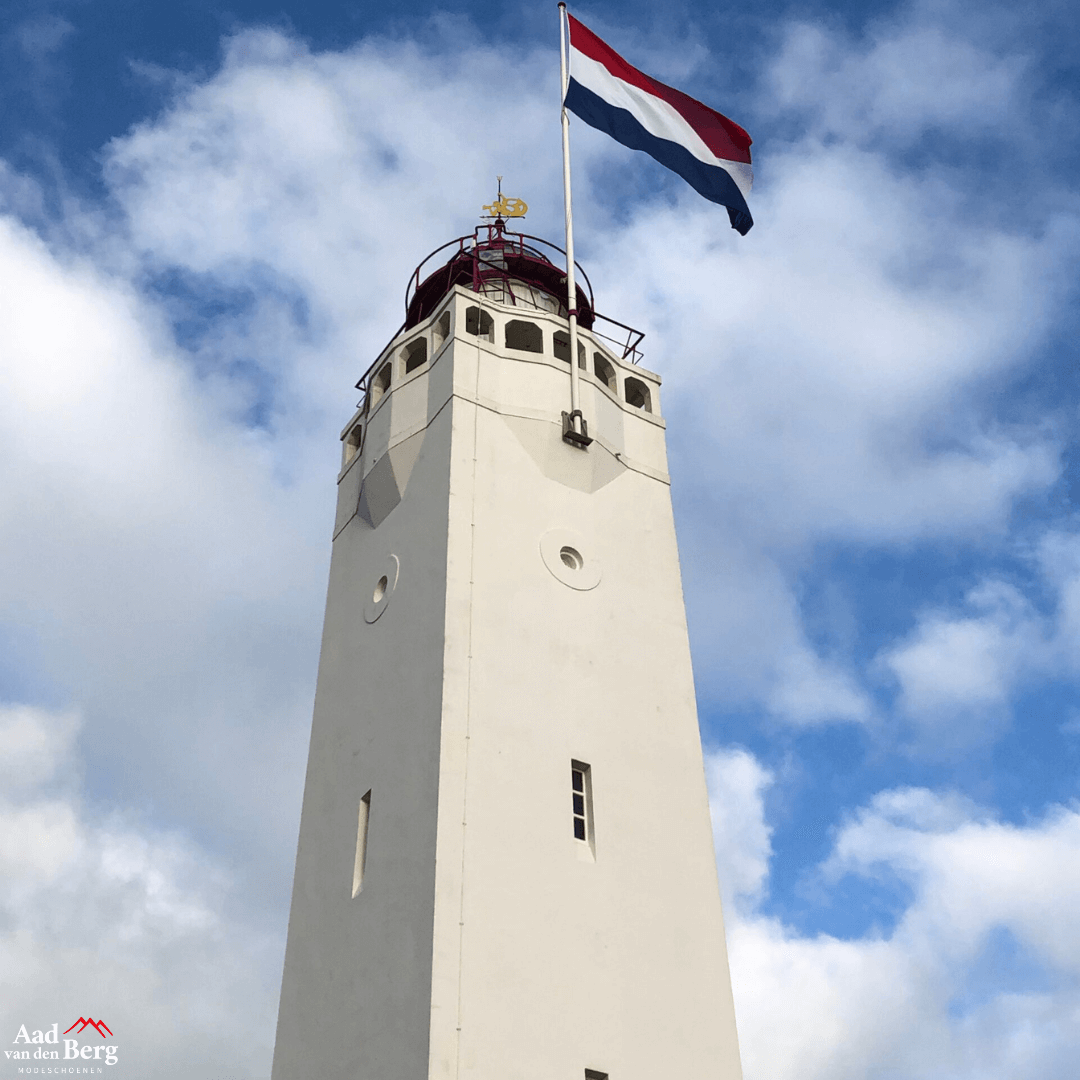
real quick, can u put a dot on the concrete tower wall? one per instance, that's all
(356, 990)
(486, 940)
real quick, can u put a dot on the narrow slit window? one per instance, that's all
(581, 802)
(361, 844)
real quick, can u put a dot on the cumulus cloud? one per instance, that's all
(326, 177)
(151, 564)
(957, 674)
(104, 916)
(902, 79)
(178, 363)
(809, 401)
(737, 786)
(810, 383)
(827, 381)
(959, 670)
(812, 372)
(41, 36)
(979, 976)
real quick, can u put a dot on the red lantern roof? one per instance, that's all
(510, 267)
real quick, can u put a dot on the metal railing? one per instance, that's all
(487, 270)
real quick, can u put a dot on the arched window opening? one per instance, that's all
(562, 349)
(603, 370)
(479, 323)
(414, 354)
(637, 394)
(442, 330)
(353, 441)
(524, 336)
(380, 384)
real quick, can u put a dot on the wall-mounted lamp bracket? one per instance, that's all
(570, 432)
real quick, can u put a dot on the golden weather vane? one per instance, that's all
(505, 207)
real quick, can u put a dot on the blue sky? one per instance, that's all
(207, 219)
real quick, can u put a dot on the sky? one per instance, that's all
(208, 215)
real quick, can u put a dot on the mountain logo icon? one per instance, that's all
(98, 1025)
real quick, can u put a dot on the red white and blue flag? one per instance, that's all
(709, 151)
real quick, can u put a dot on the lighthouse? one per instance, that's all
(505, 867)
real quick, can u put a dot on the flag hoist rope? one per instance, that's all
(576, 425)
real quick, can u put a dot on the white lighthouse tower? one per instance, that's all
(505, 868)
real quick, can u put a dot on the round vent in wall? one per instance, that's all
(382, 587)
(571, 558)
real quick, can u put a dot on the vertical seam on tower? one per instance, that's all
(468, 705)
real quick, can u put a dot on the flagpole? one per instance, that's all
(575, 430)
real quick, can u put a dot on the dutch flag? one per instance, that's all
(709, 151)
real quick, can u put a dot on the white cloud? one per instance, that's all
(979, 977)
(1072, 725)
(162, 556)
(957, 675)
(104, 916)
(150, 559)
(810, 690)
(813, 368)
(1058, 558)
(737, 786)
(958, 672)
(32, 746)
(41, 36)
(824, 375)
(900, 80)
(333, 173)
(812, 381)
